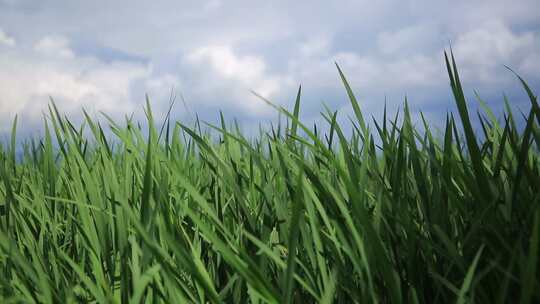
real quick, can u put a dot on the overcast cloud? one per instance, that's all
(105, 55)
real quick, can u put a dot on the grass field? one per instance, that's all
(387, 214)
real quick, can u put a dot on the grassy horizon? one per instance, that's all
(387, 214)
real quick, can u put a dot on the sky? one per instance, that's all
(106, 55)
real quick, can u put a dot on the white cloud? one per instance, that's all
(160, 89)
(400, 68)
(484, 50)
(315, 46)
(214, 53)
(227, 64)
(481, 54)
(491, 44)
(213, 4)
(54, 46)
(27, 80)
(530, 65)
(5, 39)
(221, 66)
(408, 39)
(368, 72)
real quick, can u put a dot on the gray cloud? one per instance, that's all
(104, 55)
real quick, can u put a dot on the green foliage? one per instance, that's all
(392, 216)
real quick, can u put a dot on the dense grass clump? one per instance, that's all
(387, 214)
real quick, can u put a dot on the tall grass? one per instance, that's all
(387, 214)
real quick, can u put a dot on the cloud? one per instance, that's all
(484, 50)
(220, 68)
(54, 46)
(213, 4)
(398, 68)
(6, 40)
(315, 46)
(407, 40)
(107, 54)
(530, 65)
(28, 79)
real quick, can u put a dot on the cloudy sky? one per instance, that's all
(105, 55)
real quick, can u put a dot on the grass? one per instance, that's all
(388, 214)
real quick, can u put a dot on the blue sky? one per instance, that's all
(105, 55)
